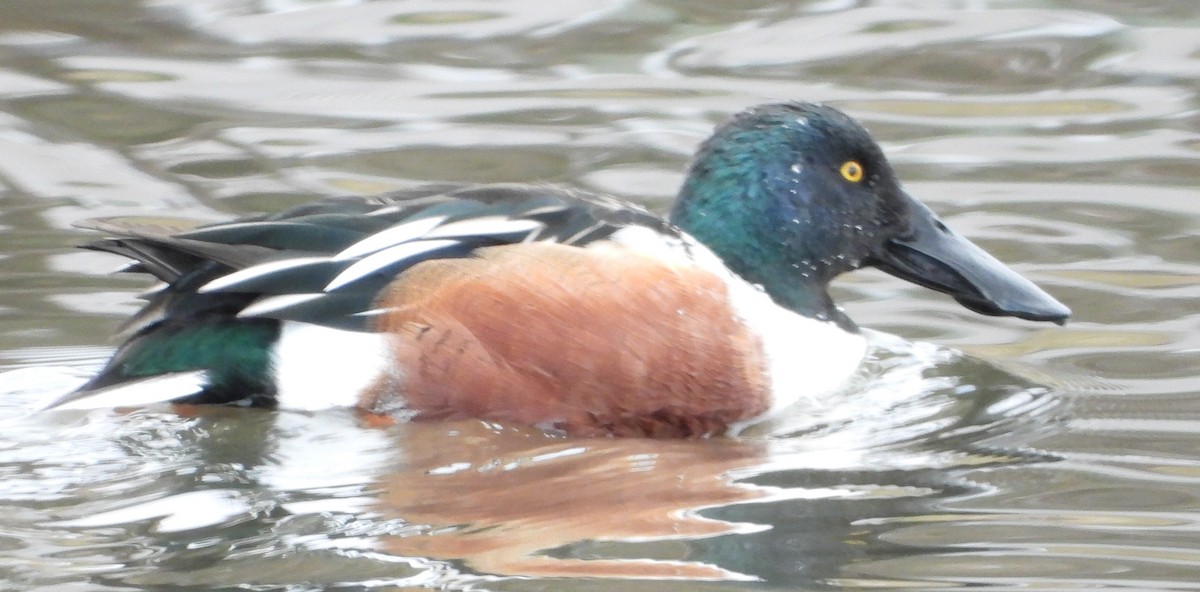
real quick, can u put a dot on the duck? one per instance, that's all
(545, 306)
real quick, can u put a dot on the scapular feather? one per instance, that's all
(325, 262)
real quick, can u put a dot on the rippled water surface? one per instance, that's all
(972, 452)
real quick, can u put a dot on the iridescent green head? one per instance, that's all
(791, 195)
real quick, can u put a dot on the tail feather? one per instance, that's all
(162, 388)
(164, 263)
(191, 360)
(209, 334)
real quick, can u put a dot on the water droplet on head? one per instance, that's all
(796, 168)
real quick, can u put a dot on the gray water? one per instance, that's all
(973, 452)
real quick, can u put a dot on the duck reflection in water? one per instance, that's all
(505, 496)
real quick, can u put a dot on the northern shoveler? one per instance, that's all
(565, 310)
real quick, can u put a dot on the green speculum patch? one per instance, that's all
(235, 354)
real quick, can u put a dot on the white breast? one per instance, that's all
(807, 359)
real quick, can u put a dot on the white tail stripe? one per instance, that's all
(272, 304)
(484, 226)
(255, 272)
(152, 290)
(390, 237)
(546, 209)
(155, 389)
(385, 258)
(592, 228)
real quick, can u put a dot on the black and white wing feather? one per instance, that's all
(326, 262)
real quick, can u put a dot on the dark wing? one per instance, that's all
(327, 261)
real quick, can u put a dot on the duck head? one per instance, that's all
(791, 195)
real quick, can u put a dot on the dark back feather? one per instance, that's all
(326, 262)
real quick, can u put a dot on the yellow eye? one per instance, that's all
(852, 171)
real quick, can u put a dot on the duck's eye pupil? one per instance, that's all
(852, 171)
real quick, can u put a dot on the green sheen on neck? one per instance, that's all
(730, 202)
